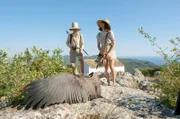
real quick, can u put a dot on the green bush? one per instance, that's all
(131, 64)
(21, 69)
(150, 71)
(168, 81)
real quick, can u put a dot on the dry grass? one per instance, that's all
(89, 116)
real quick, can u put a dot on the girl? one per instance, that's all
(106, 44)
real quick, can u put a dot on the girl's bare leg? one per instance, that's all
(113, 70)
(106, 71)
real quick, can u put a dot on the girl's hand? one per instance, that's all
(108, 56)
(102, 52)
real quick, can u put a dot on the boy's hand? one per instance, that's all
(72, 48)
(81, 51)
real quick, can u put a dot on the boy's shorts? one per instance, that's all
(73, 54)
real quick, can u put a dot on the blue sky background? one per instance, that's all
(42, 23)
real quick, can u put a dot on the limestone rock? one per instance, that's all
(138, 74)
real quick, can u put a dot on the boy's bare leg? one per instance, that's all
(81, 60)
(74, 67)
(82, 66)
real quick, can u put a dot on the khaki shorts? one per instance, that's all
(112, 55)
(73, 54)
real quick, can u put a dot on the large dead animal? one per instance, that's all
(63, 88)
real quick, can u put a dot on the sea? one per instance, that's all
(154, 59)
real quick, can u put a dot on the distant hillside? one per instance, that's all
(130, 64)
(158, 60)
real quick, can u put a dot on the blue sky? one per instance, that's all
(42, 23)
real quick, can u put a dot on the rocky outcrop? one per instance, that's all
(138, 74)
(117, 103)
(126, 79)
(157, 73)
(128, 99)
(145, 85)
(138, 80)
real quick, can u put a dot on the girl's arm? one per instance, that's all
(111, 37)
(98, 42)
(112, 45)
(98, 45)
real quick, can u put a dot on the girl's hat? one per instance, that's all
(105, 21)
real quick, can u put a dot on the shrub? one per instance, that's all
(168, 82)
(21, 69)
(150, 71)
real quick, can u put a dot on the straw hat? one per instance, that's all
(106, 21)
(75, 26)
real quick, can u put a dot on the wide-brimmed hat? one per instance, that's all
(75, 26)
(105, 21)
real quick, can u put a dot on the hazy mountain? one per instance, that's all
(130, 64)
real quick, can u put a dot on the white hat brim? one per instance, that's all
(75, 29)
